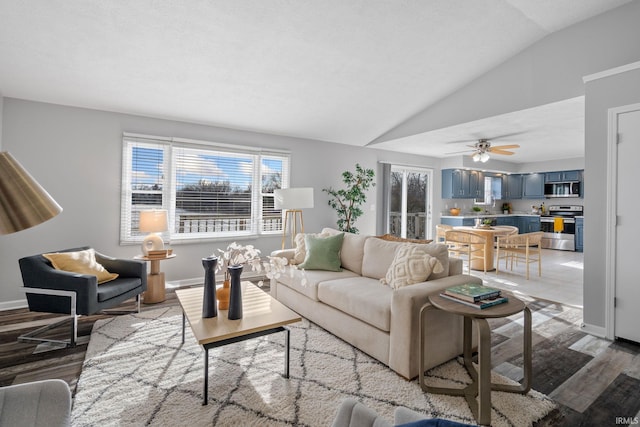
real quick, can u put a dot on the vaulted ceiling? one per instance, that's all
(345, 71)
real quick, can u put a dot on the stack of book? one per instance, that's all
(161, 254)
(477, 296)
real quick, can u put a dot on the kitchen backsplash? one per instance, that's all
(517, 206)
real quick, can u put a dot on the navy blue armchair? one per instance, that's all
(56, 291)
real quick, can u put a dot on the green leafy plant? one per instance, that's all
(347, 201)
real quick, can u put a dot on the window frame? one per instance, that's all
(170, 146)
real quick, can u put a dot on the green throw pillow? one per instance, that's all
(323, 253)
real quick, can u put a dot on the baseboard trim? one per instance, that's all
(13, 305)
(598, 331)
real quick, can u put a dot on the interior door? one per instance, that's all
(627, 286)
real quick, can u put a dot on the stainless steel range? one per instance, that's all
(559, 227)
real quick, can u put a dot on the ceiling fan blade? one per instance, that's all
(493, 147)
(503, 152)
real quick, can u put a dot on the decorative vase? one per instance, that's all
(223, 294)
(235, 294)
(209, 303)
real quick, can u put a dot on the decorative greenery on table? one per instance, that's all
(347, 202)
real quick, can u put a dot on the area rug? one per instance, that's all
(137, 372)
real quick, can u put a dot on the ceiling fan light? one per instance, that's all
(484, 157)
(476, 157)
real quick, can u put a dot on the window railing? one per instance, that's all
(415, 225)
(216, 223)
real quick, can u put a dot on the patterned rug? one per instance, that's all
(136, 372)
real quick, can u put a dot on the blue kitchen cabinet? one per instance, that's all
(507, 220)
(529, 224)
(579, 234)
(563, 176)
(462, 184)
(457, 221)
(511, 187)
(533, 186)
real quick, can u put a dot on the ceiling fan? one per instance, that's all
(481, 149)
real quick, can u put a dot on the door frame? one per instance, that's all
(430, 188)
(611, 215)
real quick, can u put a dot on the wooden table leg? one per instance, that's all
(155, 292)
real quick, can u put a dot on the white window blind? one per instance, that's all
(210, 191)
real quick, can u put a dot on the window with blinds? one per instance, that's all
(209, 190)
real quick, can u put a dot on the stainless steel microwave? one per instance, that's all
(562, 189)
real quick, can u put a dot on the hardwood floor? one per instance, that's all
(593, 380)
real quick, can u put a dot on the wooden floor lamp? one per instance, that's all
(292, 201)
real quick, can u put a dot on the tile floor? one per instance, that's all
(561, 279)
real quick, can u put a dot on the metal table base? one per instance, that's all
(220, 343)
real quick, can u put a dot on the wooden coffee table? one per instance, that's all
(262, 315)
(481, 384)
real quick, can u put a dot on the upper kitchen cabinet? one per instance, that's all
(462, 184)
(533, 185)
(563, 176)
(511, 187)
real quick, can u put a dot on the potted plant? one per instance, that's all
(476, 209)
(347, 201)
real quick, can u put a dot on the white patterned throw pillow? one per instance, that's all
(411, 264)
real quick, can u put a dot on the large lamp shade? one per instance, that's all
(293, 198)
(23, 202)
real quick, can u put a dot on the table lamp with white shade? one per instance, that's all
(153, 221)
(292, 201)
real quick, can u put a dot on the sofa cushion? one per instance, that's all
(352, 249)
(361, 297)
(294, 278)
(378, 255)
(323, 253)
(441, 253)
(410, 265)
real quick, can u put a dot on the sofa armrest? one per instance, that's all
(46, 402)
(284, 253)
(406, 302)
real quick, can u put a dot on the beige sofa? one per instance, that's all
(354, 305)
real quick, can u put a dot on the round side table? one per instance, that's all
(481, 384)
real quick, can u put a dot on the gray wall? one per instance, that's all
(601, 95)
(76, 155)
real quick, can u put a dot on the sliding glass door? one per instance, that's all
(409, 204)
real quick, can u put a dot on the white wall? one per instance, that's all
(76, 155)
(550, 70)
(601, 95)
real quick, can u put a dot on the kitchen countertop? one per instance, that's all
(487, 215)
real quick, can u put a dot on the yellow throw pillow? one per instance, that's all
(81, 262)
(411, 264)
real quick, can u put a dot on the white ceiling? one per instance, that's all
(344, 71)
